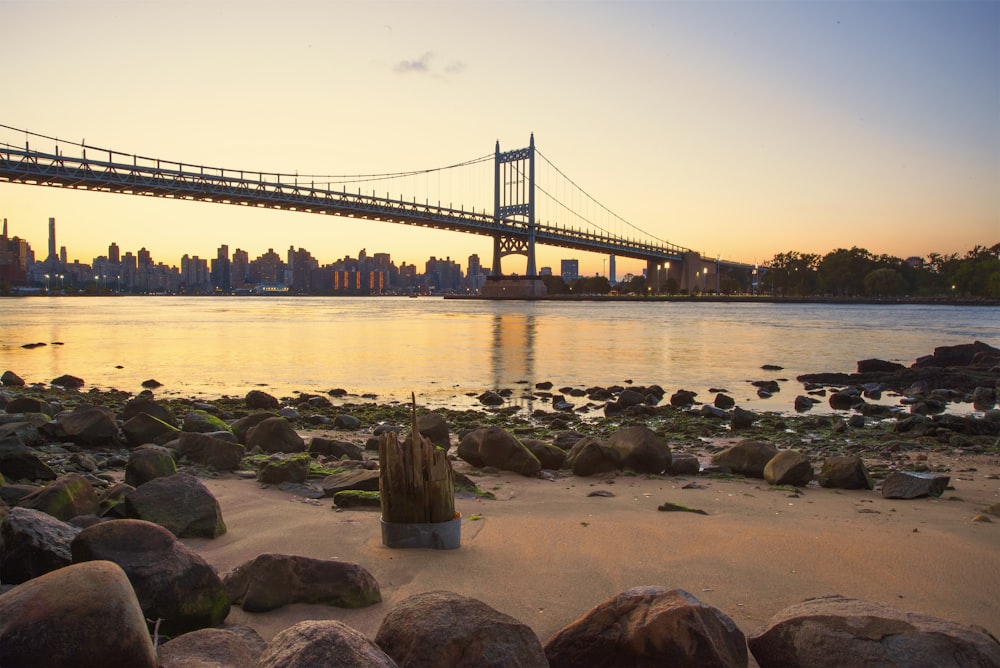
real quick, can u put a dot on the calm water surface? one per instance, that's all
(443, 349)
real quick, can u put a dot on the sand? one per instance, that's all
(545, 553)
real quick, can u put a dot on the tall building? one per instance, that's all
(14, 255)
(240, 269)
(475, 275)
(222, 279)
(569, 270)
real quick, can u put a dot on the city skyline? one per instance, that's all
(737, 129)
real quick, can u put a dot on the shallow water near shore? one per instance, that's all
(443, 349)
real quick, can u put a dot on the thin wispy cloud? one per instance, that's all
(425, 64)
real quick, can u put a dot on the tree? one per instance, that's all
(790, 273)
(842, 272)
(884, 282)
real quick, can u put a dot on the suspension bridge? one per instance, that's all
(512, 218)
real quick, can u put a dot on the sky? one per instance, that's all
(738, 129)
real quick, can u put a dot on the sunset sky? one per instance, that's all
(739, 129)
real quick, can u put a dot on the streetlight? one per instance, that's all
(46, 284)
(659, 268)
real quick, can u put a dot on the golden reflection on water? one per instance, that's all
(445, 349)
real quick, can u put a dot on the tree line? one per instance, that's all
(846, 273)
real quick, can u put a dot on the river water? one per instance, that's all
(445, 350)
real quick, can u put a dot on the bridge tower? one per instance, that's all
(514, 205)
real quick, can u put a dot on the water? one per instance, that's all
(443, 349)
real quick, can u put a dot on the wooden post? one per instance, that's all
(416, 481)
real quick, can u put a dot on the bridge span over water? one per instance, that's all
(512, 222)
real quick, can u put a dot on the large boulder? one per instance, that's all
(748, 457)
(433, 427)
(209, 451)
(173, 583)
(591, 456)
(84, 614)
(203, 422)
(836, 631)
(361, 480)
(149, 462)
(274, 434)
(329, 447)
(259, 400)
(846, 472)
(33, 543)
(961, 355)
(64, 498)
(911, 485)
(501, 449)
(29, 405)
(144, 428)
(789, 467)
(89, 426)
(205, 648)
(649, 626)
(144, 403)
(11, 379)
(641, 449)
(180, 503)
(549, 456)
(19, 462)
(243, 426)
(327, 643)
(468, 448)
(444, 629)
(269, 581)
(281, 467)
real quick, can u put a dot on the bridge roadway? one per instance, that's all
(155, 178)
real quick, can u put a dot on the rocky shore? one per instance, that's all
(103, 494)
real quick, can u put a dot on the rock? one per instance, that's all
(280, 468)
(258, 400)
(748, 457)
(845, 400)
(29, 405)
(144, 428)
(490, 399)
(205, 648)
(682, 463)
(172, 582)
(148, 462)
(468, 448)
(144, 403)
(742, 418)
(89, 426)
(207, 450)
(444, 629)
(347, 422)
(847, 472)
(911, 485)
(179, 503)
(81, 614)
(565, 440)
(984, 398)
(33, 543)
(203, 423)
(64, 498)
(11, 379)
(960, 355)
(641, 449)
(333, 448)
(549, 456)
(68, 382)
(113, 501)
(274, 434)
(434, 427)
(649, 626)
(361, 480)
(19, 462)
(837, 631)
(269, 581)
(804, 403)
(590, 456)
(682, 398)
(243, 426)
(724, 402)
(327, 643)
(789, 467)
(878, 366)
(499, 448)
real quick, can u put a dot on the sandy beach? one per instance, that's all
(545, 552)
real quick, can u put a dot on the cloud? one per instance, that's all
(425, 65)
(421, 64)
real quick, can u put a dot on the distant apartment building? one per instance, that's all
(222, 271)
(569, 270)
(442, 275)
(15, 254)
(475, 274)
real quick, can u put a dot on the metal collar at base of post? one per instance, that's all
(437, 535)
